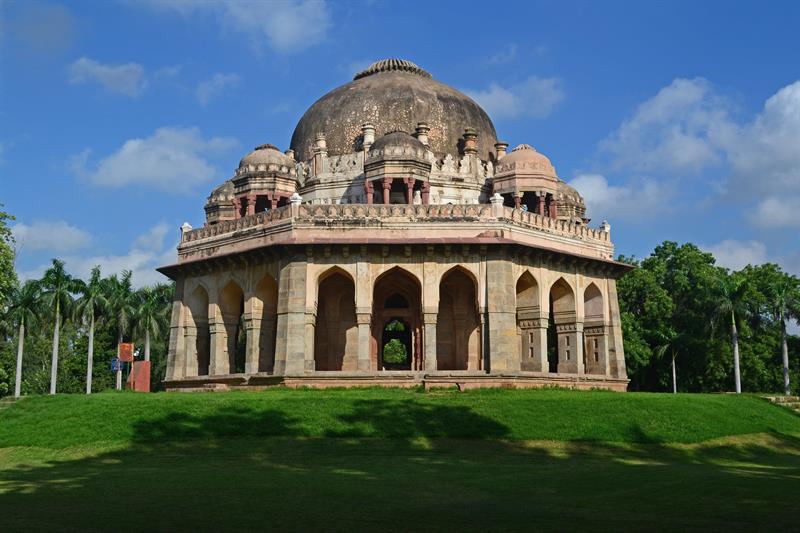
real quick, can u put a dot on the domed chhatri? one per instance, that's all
(395, 243)
(393, 94)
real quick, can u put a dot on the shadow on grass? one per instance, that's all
(255, 469)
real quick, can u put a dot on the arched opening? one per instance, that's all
(532, 332)
(231, 304)
(397, 300)
(595, 355)
(397, 349)
(265, 318)
(336, 332)
(563, 349)
(198, 338)
(458, 336)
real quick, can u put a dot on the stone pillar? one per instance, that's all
(500, 149)
(290, 346)
(540, 203)
(190, 369)
(251, 204)
(309, 365)
(426, 193)
(429, 340)
(497, 205)
(320, 154)
(176, 355)
(364, 338)
(422, 132)
(533, 352)
(369, 191)
(553, 207)
(266, 342)
(410, 190)
(616, 353)
(596, 350)
(570, 348)
(471, 148)
(387, 189)
(237, 203)
(219, 362)
(367, 136)
(252, 328)
(501, 311)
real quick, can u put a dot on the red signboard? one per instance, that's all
(126, 351)
(139, 378)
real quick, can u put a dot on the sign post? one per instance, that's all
(125, 350)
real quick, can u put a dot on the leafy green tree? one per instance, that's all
(89, 308)
(57, 288)
(23, 311)
(646, 310)
(8, 277)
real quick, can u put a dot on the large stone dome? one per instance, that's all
(393, 95)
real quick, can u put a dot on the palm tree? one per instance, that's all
(90, 307)
(151, 314)
(786, 306)
(671, 345)
(731, 302)
(119, 291)
(57, 288)
(23, 311)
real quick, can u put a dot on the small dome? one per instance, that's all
(525, 159)
(397, 145)
(266, 154)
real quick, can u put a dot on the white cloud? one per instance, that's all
(128, 79)
(777, 212)
(683, 128)
(210, 88)
(287, 26)
(171, 159)
(636, 200)
(142, 259)
(153, 240)
(736, 255)
(55, 236)
(507, 55)
(765, 156)
(535, 98)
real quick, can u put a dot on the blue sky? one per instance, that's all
(675, 121)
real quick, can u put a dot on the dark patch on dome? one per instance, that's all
(389, 65)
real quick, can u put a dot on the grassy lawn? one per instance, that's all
(399, 460)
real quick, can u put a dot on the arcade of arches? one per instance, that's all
(396, 319)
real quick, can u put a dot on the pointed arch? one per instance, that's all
(197, 336)
(336, 330)
(595, 349)
(397, 296)
(264, 312)
(458, 337)
(564, 351)
(593, 308)
(563, 300)
(231, 306)
(532, 340)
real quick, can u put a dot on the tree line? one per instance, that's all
(688, 325)
(59, 333)
(713, 329)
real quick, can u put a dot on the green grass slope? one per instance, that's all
(557, 415)
(366, 460)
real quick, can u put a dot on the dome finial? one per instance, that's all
(392, 65)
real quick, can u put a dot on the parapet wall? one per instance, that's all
(395, 224)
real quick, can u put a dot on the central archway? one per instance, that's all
(397, 303)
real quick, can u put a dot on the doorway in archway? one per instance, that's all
(396, 345)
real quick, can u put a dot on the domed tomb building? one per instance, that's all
(395, 242)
